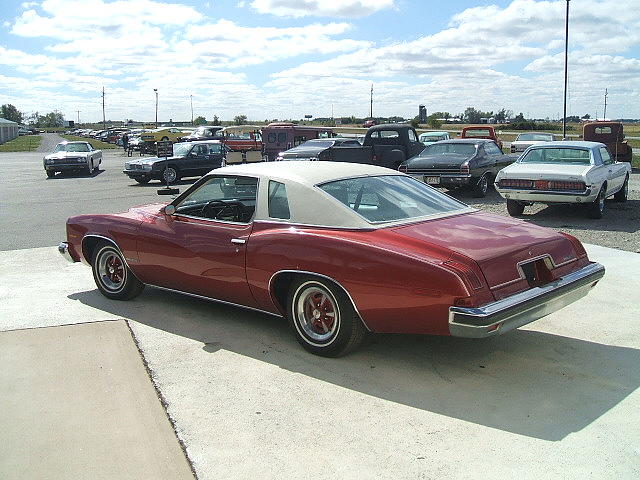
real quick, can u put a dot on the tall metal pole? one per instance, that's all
(566, 56)
(78, 115)
(606, 92)
(156, 90)
(371, 107)
(191, 109)
(104, 121)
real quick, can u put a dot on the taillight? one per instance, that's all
(468, 275)
(562, 185)
(577, 246)
(515, 183)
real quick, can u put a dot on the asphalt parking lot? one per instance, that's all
(557, 399)
(35, 209)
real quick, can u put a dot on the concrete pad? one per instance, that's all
(76, 402)
(558, 399)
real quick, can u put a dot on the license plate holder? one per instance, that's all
(432, 180)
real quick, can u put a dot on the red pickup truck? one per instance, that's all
(484, 131)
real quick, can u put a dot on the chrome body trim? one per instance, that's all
(211, 299)
(522, 308)
(63, 249)
(322, 276)
(238, 241)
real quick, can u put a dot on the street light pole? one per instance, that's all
(191, 109)
(156, 90)
(371, 104)
(566, 55)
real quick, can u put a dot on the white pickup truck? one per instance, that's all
(72, 156)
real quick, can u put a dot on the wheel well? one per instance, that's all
(281, 282)
(89, 244)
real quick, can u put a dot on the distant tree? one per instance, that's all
(216, 120)
(434, 120)
(586, 116)
(415, 123)
(200, 120)
(9, 112)
(240, 119)
(573, 118)
(503, 115)
(519, 118)
(471, 115)
(51, 119)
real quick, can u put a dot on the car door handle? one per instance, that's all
(238, 241)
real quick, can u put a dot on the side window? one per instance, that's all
(271, 138)
(278, 202)
(412, 136)
(375, 134)
(389, 134)
(282, 137)
(491, 148)
(606, 158)
(228, 198)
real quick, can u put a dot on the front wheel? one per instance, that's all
(622, 194)
(323, 318)
(515, 208)
(112, 275)
(143, 181)
(170, 175)
(51, 173)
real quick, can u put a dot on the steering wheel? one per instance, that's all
(227, 208)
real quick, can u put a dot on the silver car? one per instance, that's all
(525, 140)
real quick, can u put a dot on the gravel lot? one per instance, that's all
(34, 208)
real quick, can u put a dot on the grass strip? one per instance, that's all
(25, 143)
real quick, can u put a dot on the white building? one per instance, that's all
(8, 130)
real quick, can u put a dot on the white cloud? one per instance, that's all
(321, 8)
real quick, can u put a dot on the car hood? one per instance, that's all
(437, 161)
(150, 160)
(303, 152)
(544, 171)
(496, 243)
(62, 155)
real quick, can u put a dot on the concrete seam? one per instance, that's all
(163, 402)
(61, 325)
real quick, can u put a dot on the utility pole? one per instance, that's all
(78, 115)
(566, 56)
(371, 107)
(191, 109)
(104, 120)
(605, 105)
(156, 90)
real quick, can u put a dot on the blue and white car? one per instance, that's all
(564, 172)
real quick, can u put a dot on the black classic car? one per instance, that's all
(471, 163)
(191, 159)
(316, 149)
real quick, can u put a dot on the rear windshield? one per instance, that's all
(449, 148)
(535, 137)
(391, 198)
(567, 155)
(72, 147)
(318, 143)
(477, 133)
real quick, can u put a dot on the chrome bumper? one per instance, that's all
(525, 307)
(63, 248)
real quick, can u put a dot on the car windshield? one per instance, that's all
(544, 137)
(390, 198)
(72, 147)
(318, 143)
(478, 133)
(579, 156)
(181, 149)
(449, 148)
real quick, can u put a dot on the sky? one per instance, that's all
(283, 59)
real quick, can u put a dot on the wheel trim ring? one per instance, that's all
(112, 271)
(302, 322)
(170, 175)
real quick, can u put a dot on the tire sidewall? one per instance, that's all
(292, 312)
(102, 250)
(174, 176)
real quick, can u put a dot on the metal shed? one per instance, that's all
(8, 130)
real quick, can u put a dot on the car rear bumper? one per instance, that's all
(63, 248)
(534, 196)
(522, 308)
(448, 179)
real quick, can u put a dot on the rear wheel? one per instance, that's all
(622, 194)
(323, 318)
(112, 275)
(596, 209)
(480, 189)
(515, 208)
(164, 139)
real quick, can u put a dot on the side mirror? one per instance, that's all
(169, 209)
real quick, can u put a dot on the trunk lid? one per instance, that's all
(496, 243)
(545, 171)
